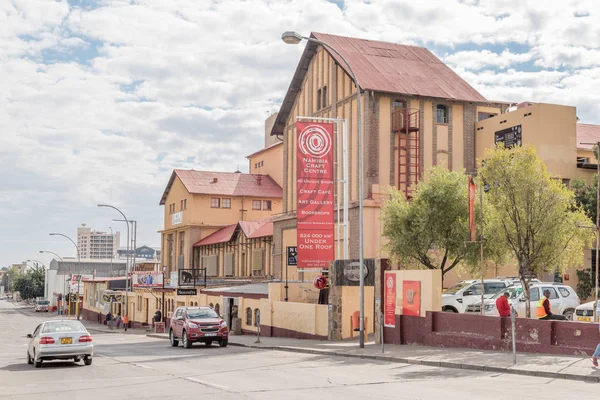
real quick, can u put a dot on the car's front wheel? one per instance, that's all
(569, 315)
(224, 342)
(185, 340)
(174, 342)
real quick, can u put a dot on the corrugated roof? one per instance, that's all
(223, 235)
(383, 67)
(263, 231)
(225, 184)
(587, 133)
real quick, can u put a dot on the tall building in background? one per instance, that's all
(94, 244)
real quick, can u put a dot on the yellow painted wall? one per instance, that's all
(272, 163)
(385, 129)
(427, 132)
(458, 137)
(431, 288)
(550, 128)
(350, 303)
(306, 318)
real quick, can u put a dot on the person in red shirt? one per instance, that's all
(502, 305)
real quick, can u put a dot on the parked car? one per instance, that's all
(198, 324)
(42, 305)
(456, 298)
(60, 340)
(563, 300)
(585, 312)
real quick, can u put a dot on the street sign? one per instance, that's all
(187, 292)
(292, 255)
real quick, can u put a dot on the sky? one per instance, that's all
(101, 99)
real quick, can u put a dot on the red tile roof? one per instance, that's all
(587, 133)
(225, 184)
(383, 67)
(252, 230)
(223, 235)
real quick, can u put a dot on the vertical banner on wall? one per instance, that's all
(472, 208)
(314, 192)
(389, 318)
(411, 298)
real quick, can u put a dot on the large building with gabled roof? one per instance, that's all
(417, 113)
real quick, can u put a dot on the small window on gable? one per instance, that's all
(442, 114)
(319, 99)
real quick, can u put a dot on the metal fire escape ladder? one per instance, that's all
(406, 124)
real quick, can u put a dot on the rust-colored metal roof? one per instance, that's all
(383, 67)
(397, 68)
(225, 184)
(223, 235)
(587, 133)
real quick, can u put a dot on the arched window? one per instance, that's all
(218, 308)
(256, 317)
(249, 316)
(172, 305)
(211, 305)
(442, 114)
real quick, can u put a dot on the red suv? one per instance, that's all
(198, 324)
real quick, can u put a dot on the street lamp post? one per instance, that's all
(112, 253)
(597, 144)
(78, 267)
(126, 265)
(295, 38)
(58, 306)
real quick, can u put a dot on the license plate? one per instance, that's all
(585, 319)
(66, 340)
(210, 334)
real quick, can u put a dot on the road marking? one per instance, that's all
(209, 384)
(143, 366)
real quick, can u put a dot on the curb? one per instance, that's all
(440, 364)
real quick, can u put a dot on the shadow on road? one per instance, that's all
(21, 367)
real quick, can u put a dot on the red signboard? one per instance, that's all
(389, 318)
(411, 298)
(315, 185)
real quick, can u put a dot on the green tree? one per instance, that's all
(586, 196)
(535, 216)
(432, 229)
(30, 284)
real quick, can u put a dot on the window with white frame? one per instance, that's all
(215, 202)
(256, 204)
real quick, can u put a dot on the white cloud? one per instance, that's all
(476, 60)
(102, 103)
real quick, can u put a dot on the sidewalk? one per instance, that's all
(96, 327)
(548, 366)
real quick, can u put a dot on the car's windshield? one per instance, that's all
(513, 291)
(63, 326)
(43, 302)
(202, 313)
(456, 288)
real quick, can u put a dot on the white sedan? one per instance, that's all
(585, 312)
(60, 340)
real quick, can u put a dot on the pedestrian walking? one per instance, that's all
(118, 320)
(109, 320)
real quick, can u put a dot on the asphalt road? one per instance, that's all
(137, 367)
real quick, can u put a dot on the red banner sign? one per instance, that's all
(389, 319)
(411, 298)
(315, 185)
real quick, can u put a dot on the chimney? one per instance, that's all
(259, 180)
(215, 180)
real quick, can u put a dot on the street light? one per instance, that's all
(597, 144)
(126, 265)
(290, 37)
(59, 306)
(78, 267)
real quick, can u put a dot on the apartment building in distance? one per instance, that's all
(93, 244)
